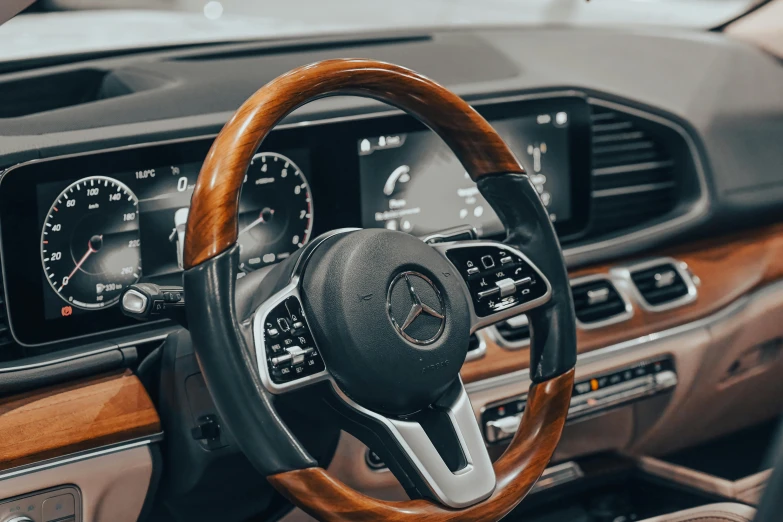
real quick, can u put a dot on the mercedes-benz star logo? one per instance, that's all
(415, 308)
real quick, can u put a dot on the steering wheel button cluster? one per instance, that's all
(496, 287)
(293, 354)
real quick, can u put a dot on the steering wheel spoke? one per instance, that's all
(437, 453)
(500, 281)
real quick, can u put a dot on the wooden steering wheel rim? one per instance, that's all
(213, 225)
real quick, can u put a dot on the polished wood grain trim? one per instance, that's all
(212, 222)
(327, 499)
(728, 267)
(80, 415)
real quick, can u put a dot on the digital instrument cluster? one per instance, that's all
(102, 222)
(104, 233)
(77, 230)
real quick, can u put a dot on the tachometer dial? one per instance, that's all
(275, 211)
(90, 242)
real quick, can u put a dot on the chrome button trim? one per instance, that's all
(618, 286)
(134, 301)
(626, 272)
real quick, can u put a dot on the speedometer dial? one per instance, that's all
(90, 242)
(275, 211)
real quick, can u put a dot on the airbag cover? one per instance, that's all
(355, 287)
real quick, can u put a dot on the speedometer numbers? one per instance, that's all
(275, 211)
(90, 242)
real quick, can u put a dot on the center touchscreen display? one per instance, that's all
(412, 182)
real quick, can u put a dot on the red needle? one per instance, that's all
(90, 250)
(257, 221)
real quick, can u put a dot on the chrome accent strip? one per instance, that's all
(557, 475)
(450, 232)
(696, 210)
(477, 322)
(481, 351)
(383, 469)
(88, 353)
(523, 376)
(680, 267)
(493, 333)
(59, 360)
(632, 189)
(631, 167)
(152, 338)
(80, 456)
(619, 318)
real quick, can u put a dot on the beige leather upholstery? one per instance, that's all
(711, 513)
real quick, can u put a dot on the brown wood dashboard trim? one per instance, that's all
(728, 267)
(76, 416)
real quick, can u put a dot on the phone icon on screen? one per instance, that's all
(399, 175)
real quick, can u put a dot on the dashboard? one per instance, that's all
(635, 160)
(78, 230)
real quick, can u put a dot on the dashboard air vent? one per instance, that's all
(663, 284)
(598, 303)
(633, 173)
(514, 332)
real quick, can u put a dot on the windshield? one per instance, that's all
(53, 27)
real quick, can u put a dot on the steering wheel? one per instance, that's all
(376, 323)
